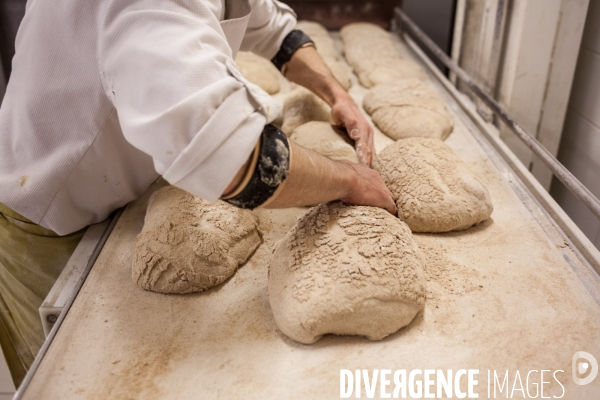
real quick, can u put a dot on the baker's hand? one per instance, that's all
(368, 189)
(345, 113)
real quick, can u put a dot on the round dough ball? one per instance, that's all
(259, 71)
(435, 190)
(326, 139)
(301, 106)
(189, 245)
(408, 108)
(346, 270)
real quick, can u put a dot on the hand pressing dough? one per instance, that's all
(301, 106)
(326, 139)
(346, 270)
(408, 108)
(259, 71)
(435, 190)
(189, 245)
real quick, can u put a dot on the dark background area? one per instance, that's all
(436, 19)
(11, 13)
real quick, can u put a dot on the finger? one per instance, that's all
(363, 150)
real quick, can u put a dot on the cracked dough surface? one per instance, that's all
(326, 139)
(346, 270)
(408, 108)
(259, 71)
(189, 245)
(435, 190)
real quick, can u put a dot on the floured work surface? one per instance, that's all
(500, 296)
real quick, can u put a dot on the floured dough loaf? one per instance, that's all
(372, 72)
(259, 71)
(373, 55)
(346, 270)
(326, 48)
(326, 139)
(301, 106)
(188, 244)
(408, 108)
(435, 190)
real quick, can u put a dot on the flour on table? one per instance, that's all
(189, 245)
(346, 270)
(301, 106)
(408, 108)
(259, 71)
(326, 139)
(435, 190)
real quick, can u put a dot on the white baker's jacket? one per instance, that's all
(106, 95)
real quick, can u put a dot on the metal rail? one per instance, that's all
(567, 178)
(38, 359)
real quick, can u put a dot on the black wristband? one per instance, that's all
(292, 42)
(270, 172)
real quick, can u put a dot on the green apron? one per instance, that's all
(31, 259)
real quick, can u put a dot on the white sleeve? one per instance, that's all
(169, 71)
(269, 24)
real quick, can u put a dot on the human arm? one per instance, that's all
(307, 68)
(309, 178)
(167, 68)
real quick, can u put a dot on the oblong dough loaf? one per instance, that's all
(435, 190)
(346, 270)
(373, 55)
(259, 71)
(408, 108)
(189, 245)
(326, 139)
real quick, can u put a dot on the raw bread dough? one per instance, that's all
(373, 55)
(346, 270)
(408, 108)
(373, 72)
(259, 71)
(435, 190)
(188, 244)
(326, 139)
(301, 106)
(326, 48)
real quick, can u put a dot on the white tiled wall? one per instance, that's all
(580, 145)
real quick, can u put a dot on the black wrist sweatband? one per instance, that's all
(270, 172)
(292, 42)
